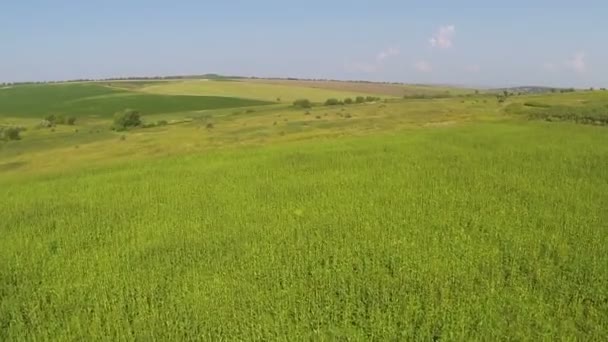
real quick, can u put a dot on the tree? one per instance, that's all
(332, 102)
(303, 103)
(10, 133)
(348, 101)
(126, 119)
(360, 99)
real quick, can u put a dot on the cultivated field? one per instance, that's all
(253, 90)
(241, 217)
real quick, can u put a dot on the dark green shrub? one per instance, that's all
(50, 118)
(360, 99)
(60, 120)
(71, 120)
(332, 102)
(348, 101)
(303, 103)
(126, 119)
(10, 133)
(162, 123)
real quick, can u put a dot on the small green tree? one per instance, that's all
(303, 103)
(10, 133)
(126, 119)
(332, 102)
(51, 118)
(71, 120)
(360, 99)
(348, 101)
(60, 120)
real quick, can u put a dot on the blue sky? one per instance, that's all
(557, 43)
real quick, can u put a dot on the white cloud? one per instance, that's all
(577, 63)
(388, 53)
(423, 66)
(443, 37)
(473, 68)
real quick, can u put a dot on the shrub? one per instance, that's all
(162, 123)
(71, 120)
(536, 104)
(59, 120)
(45, 124)
(209, 125)
(126, 119)
(10, 133)
(370, 99)
(304, 103)
(332, 102)
(360, 99)
(348, 101)
(50, 118)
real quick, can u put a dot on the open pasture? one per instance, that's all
(408, 219)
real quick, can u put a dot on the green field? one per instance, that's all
(95, 100)
(460, 218)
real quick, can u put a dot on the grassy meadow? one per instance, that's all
(460, 218)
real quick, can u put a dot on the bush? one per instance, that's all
(536, 104)
(45, 124)
(59, 120)
(126, 119)
(50, 118)
(10, 133)
(71, 120)
(303, 103)
(162, 123)
(360, 99)
(332, 102)
(370, 99)
(348, 101)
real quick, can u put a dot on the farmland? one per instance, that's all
(246, 218)
(97, 100)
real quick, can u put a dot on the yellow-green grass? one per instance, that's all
(589, 107)
(249, 90)
(91, 143)
(480, 231)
